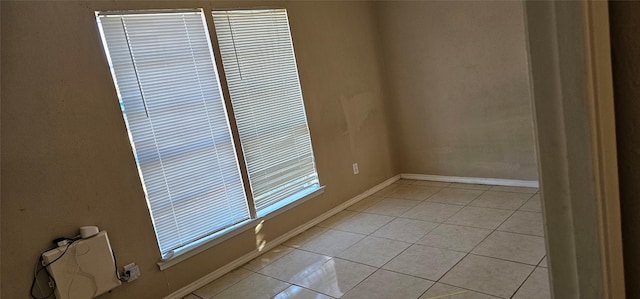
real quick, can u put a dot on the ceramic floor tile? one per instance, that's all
(431, 183)
(364, 203)
(267, 258)
(256, 286)
(479, 217)
(454, 237)
(432, 211)
(222, 283)
(296, 292)
(533, 204)
(514, 189)
(406, 230)
(488, 275)
(363, 223)
(392, 206)
(543, 262)
(443, 291)
(536, 286)
(514, 247)
(305, 237)
(455, 196)
(374, 251)
(296, 264)
(404, 182)
(335, 277)
(424, 262)
(524, 223)
(337, 219)
(470, 186)
(386, 190)
(331, 242)
(413, 192)
(501, 200)
(386, 284)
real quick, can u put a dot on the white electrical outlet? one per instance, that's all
(355, 168)
(131, 272)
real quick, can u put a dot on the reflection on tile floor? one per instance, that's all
(413, 239)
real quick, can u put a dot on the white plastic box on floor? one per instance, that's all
(86, 270)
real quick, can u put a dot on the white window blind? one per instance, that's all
(169, 91)
(262, 76)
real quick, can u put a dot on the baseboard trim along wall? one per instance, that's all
(468, 180)
(275, 242)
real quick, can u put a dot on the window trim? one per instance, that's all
(232, 231)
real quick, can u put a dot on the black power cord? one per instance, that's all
(115, 264)
(44, 266)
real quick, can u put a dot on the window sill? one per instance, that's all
(228, 233)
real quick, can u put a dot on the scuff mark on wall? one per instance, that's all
(357, 110)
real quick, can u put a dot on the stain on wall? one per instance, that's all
(67, 161)
(66, 157)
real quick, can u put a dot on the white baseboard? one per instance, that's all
(468, 180)
(275, 242)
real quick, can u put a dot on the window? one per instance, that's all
(260, 66)
(165, 74)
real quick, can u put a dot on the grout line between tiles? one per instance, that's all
(467, 205)
(540, 262)
(506, 231)
(363, 280)
(440, 223)
(366, 235)
(467, 289)
(231, 285)
(342, 230)
(520, 206)
(269, 263)
(412, 243)
(379, 268)
(355, 213)
(382, 267)
(293, 284)
(406, 274)
(474, 247)
(522, 284)
(503, 259)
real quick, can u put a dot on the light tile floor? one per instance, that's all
(413, 239)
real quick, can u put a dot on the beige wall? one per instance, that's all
(451, 98)
(459, 88)
(66, 157)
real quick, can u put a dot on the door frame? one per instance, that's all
(574, 121)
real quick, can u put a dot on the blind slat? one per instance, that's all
(259, 63)
(163, 67)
